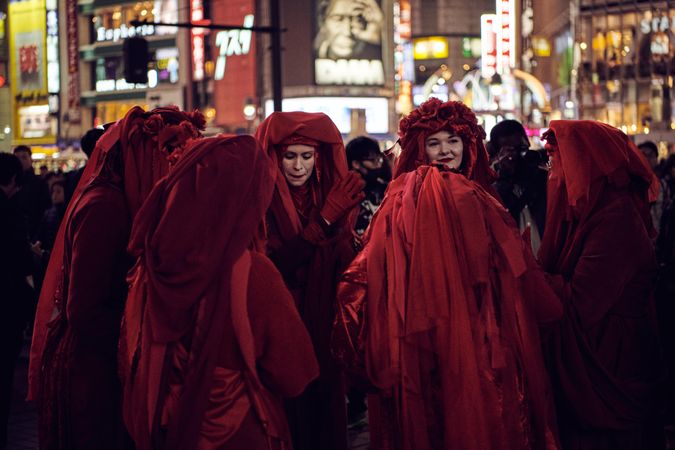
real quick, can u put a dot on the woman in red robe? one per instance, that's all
(211, 339)
(603, 357)
(310, 241)
(439, 312)
(73, 370)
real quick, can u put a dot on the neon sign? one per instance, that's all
(232, 43)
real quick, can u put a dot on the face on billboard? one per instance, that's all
(350, 29)
(348, 42)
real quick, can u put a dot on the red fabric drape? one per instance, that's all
(440, 309)
(187, 248)
(603, 357)
(311, 257)
(144, 140)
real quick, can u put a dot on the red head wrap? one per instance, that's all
(282, 129)
(586, 157)
(433, 116)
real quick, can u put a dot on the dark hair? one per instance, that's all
(88, 141)
(22, 148)
(57, 183)
(10, 166)
(504, 128)
(649, 145)
(360, 148)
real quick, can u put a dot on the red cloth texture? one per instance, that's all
(603, 356)
(143, 157)
(440, 310)
(128, 160)
(183, 292)
(433, 116)
(311, 256)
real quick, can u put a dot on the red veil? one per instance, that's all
(442, 306)
(139, 136)
(588, 155)
(187, 249)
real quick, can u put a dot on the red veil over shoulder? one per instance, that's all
(188, 250)
(442, 306)
(139, 136)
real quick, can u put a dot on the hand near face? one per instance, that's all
(345, 195)
(370, 28)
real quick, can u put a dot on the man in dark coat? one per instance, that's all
(15, 266)
(33, 198)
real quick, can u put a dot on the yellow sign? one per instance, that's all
(541, 47)
(434, 47)
(27, 47)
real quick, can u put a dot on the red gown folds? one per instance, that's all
(311, 256)
(211, 340)
(73, 371)
(440, 310)
(603, 357)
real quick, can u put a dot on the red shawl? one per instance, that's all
(143, 140)
(195, 225)
(442, 305)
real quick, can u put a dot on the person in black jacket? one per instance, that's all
(522, 179)
(15, 267)
(33, 198)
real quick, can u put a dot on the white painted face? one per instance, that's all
(444, 147)
(298, 163)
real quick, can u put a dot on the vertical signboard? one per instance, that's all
(28, 58)
(506, 35)
(348, 43)
(488, 45)
(403, 58)
(235, 75)
(73, 52)
(197, 40)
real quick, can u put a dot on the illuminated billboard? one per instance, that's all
(27, 42)
(348, 43)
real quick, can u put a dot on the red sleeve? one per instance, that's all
(100, 232)
(615, 249)
(285, 355)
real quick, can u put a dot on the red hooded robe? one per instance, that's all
(311, 257)
(440, 309)
(72, 370)
(603, 357)
(211, 339)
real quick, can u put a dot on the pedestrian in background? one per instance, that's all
(17, 294)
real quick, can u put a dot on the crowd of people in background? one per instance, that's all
(271, 291)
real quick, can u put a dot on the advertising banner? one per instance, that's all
(235, 74)
(348, 43)
(27, 40)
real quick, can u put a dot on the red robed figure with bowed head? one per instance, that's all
(440, 310)
(603, 358)
(73, 370)
(211, 339)
(310, 224)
